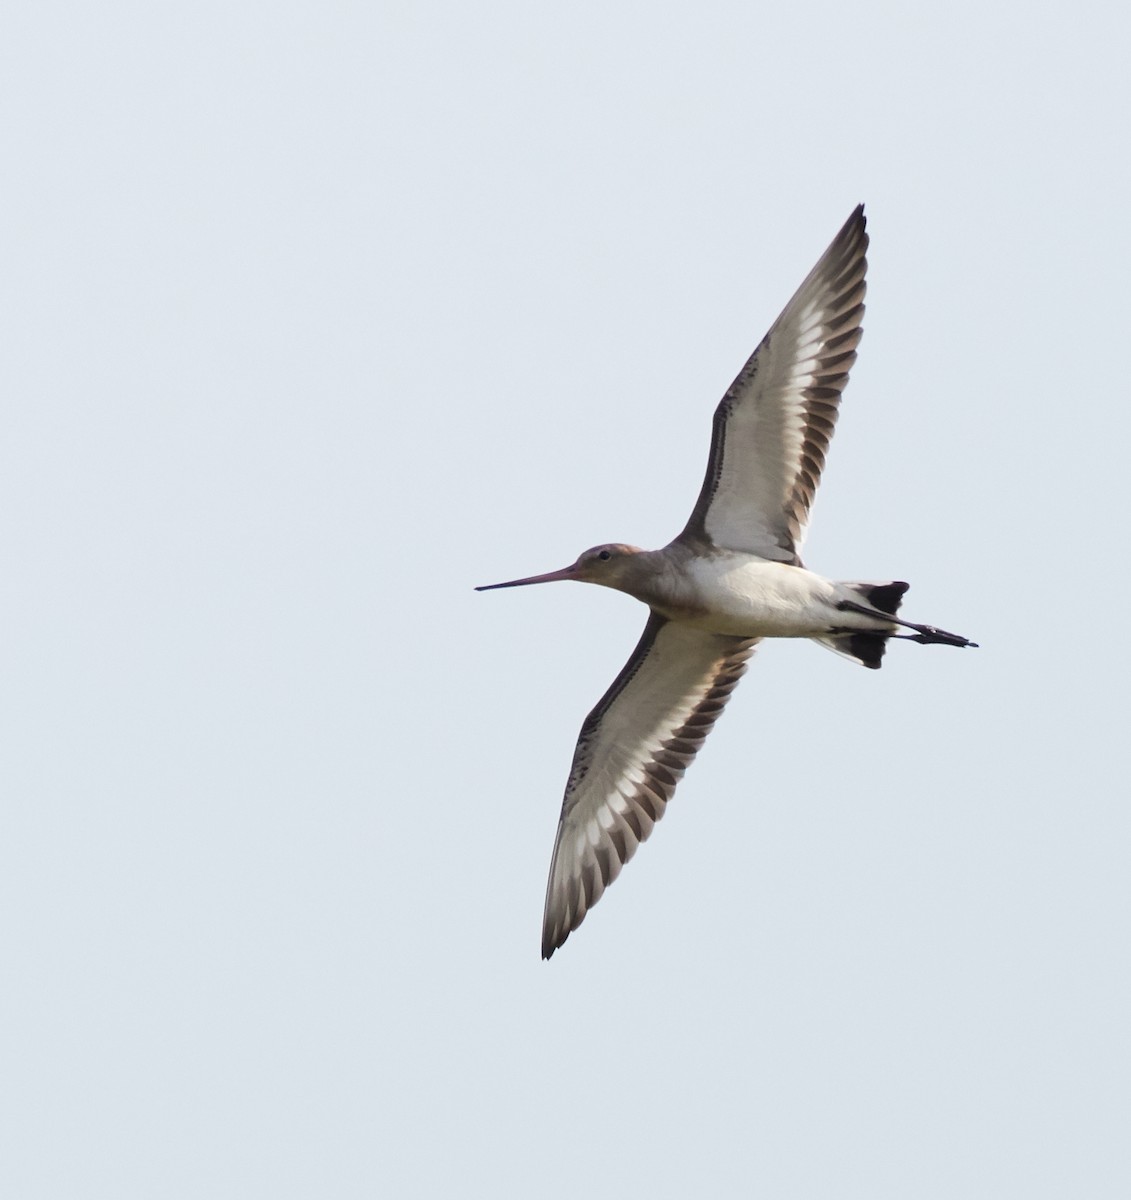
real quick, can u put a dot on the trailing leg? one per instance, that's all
(880, 602)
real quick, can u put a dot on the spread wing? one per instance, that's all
(772, 428)
(633, 749)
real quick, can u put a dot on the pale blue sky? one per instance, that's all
(317, 316)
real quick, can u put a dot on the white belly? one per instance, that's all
(748, 597)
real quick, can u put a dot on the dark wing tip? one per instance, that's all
(846, 250)
(853, 233)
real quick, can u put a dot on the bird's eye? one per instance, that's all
(604, 555)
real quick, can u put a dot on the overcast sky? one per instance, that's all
(316, 316)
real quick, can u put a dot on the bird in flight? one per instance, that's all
(731, 578)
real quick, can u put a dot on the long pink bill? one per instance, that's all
(549, 577)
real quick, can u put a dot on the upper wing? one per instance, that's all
(773, 426)
(633, 750)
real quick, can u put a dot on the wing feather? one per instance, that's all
(772, 428)
(632, 751)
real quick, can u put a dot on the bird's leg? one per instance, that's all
(924, 634)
